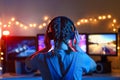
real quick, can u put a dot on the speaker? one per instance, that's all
(21, 68)
(103, 67)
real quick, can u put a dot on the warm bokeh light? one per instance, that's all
(109, 16)
(0, 23)
(99, 17)
(1, 53)
(13, 19)
(21, 25)
(90, 19)
(118, 47)
(4, 25)
(6, 32)
(86, 20)
(44, 24)
(113, 25)
(1, 68)
(1, 58)
(30, 25)
(40, 26)
(46, 20)
(17, 23)
(9, 23)
(34, 25)
(114, 30)
(0, 33)
(78, 23)
(81, 20)
(25, 27)
(114, 21)
(95, 20)
(104, 17)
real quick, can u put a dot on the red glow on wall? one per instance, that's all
(0, 33)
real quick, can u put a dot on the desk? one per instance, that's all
(115, 75)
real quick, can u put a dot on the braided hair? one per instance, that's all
(62, 29)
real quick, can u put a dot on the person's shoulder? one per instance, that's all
(74, 52)
(41, 56)
(45, 54)
(77, 53)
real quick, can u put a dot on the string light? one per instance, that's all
(13, 19)
(114, 21)
(114, 29)
(4, 25)
(6, 32)
(104, 17)
(0, 68)
(1, 58)
(2, 53)
(17, 23)
(0, 23)
(34, 25)
(99, 17)
(46, 20)
(78, 23)
(44, 24)
(40, 26)
(109, 16)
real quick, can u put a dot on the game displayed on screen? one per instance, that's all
(18, 46)
(40, 38)
(102, 44)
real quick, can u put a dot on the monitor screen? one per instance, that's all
(83, 43)
(20, 46)
(102, 44)
(40, 40)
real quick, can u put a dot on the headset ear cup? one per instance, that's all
(50, 35)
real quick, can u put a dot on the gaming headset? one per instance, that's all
(50, 34)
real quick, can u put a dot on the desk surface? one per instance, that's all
(115, 75)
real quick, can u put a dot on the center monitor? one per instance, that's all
(40, 41)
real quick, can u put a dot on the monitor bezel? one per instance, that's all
(18, 37)
(116, 54)
(44, 35)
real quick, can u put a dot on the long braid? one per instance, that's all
(63, 28)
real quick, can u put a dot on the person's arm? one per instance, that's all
(31, 60)
(75, 42)
(31, 63)
(44, 50)
(88, 63)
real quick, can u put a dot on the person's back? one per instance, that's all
(66, 61)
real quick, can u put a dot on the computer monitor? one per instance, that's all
(18, 47)
(40, 41)
(102, 44)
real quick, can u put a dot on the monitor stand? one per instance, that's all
(103, 66)
(104, 58)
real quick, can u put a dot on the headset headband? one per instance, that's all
(61, 18)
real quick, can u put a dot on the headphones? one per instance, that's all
(62, 20)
